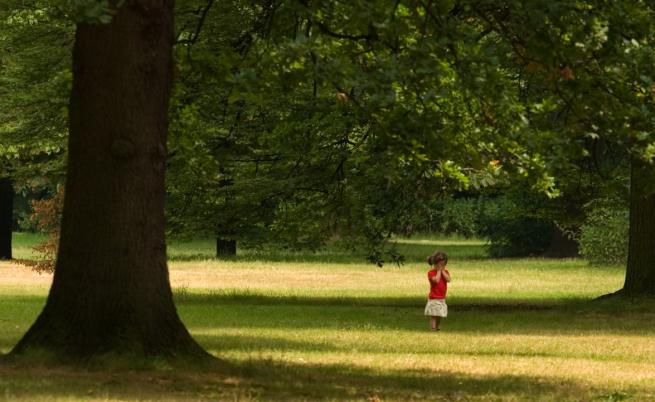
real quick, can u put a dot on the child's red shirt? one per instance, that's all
(437, 290)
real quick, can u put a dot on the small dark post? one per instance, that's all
(6, 217)
(225, 247)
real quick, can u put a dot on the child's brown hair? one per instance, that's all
(438, 256)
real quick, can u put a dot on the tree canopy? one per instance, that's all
(295, 122)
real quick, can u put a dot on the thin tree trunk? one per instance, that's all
(6, 217)
(640, 273)
(111, 290)
(226, 247)
(561, 246)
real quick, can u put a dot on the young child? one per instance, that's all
(439, 278)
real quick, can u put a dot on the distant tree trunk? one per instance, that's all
(111, 291)
(561, 246)
(6, 217)
(640, 273)
(225, 247)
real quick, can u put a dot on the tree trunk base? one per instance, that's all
(626, 295)
(35, 348)
(111, 361)
(613, 295)
(112, 331)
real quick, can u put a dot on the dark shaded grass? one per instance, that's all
(461, 303)
(261, 379)
(573, 319)
(337, 382)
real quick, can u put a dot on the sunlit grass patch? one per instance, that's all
(473, 280)
(23, 242)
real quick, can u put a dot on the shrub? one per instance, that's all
(512, 229)
(461, 216)
(46, 217)
(604, 235)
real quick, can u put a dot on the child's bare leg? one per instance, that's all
(437, 320)
(434, 322)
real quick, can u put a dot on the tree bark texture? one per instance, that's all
(6, 217)
(111, 292)
(225, 247)
(640, 273)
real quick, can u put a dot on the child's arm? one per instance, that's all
(437, 277)
(445, 275)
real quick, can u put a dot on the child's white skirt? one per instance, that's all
(436, 308)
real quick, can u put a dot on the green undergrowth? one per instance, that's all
(411, 249)
(202, 249)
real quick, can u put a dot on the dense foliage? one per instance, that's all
(36, 41)
(298, 122)
(604, 236)
(512, 226)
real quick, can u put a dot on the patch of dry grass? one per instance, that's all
(473, 279)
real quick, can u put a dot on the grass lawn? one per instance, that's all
(326, 326)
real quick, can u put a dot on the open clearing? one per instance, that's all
(327, 326)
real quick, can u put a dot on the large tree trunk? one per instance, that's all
(111, 291)
(640, 274)
(6, 217)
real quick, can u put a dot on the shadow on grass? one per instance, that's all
(574, 317)
(486, 304)
(262, 379)
(258, 345)
(481, 304)
(341, 382)
(482, 316)
(254, 343)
